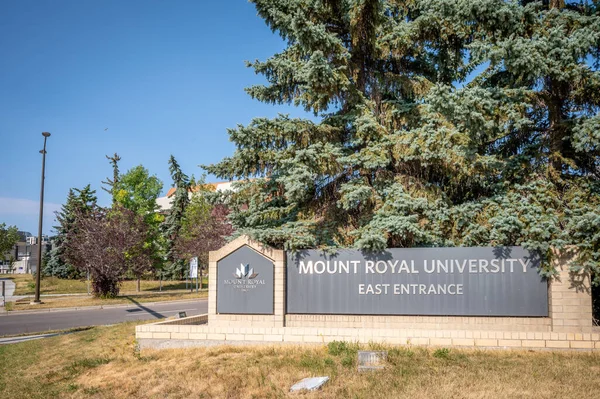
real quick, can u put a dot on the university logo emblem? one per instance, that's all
(245, 271)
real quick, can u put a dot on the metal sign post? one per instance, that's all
(3, 293)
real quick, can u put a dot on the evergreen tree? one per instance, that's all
(78, 201)
(56, 266)
(440, 123)
(172, 225)
(112, 183)
(45, 261)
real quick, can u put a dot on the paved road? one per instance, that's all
(18, 323)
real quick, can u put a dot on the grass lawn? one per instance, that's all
(25, 285)
(103, 363)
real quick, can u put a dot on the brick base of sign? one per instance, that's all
(165, 335)
(527, 324)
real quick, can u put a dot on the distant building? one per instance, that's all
(23, 255)
(165, 203)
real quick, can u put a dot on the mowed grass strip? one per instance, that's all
(104, 363)
(25, 285)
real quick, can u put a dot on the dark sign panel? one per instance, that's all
(245, 283)
(417, 281)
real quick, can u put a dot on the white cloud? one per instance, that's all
(25, 207)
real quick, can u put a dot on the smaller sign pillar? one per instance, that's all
(227, 272)
(570, 298)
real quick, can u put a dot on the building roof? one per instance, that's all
(220, 186)
(23, 235)
(164, 203)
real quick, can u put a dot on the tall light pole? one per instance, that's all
(38, 272)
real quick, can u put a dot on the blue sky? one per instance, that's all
(165, 77)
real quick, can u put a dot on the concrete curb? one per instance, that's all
(124, 305)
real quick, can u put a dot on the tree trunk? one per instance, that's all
(138, 284)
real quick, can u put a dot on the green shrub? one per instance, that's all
(337, 348)
(348, 360)
(442, 353)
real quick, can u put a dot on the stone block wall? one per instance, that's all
(159, 335)
(532, 324)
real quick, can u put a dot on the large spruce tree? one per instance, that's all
(175, 267)
(440, 123)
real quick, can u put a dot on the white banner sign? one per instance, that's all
(194, 268)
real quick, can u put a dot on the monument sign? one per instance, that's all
(480, 281)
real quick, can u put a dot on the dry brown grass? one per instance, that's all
(25, 285)
(81, 301)
(103, 363)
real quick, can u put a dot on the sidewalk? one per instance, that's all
(16, 340)
(10, 290)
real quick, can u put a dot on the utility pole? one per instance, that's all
(39, 248)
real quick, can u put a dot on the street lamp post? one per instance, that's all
(38, 272)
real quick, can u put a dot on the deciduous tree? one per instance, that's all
(137, 191)
(107, 243)
(9, 235)
(205, 228)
